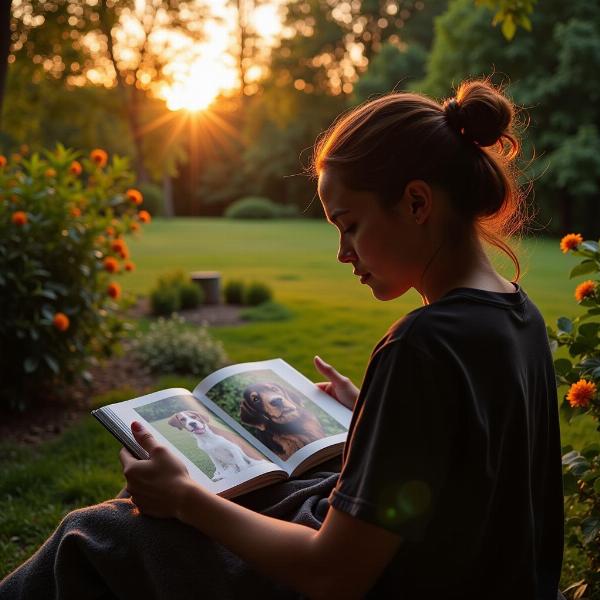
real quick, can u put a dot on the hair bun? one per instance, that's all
(480, 112)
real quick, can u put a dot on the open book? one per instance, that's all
(242, 428)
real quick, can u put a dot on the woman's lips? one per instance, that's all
(363, 278)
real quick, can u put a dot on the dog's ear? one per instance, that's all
(175, 422)
(249, 415)
(198, 416)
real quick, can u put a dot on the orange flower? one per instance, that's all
(124, 254)
(134, 226)
(134, 196)
(19, 217)
(570, 242)
(60, 321)
(114, 290)
(118, 245)
(129, 266)
(3, 161)
(585, 289)
(581, 393)
(111, 265)
(144, 216)
(110, 231)
(75, 211)
(99, 156)
(50, 173)
(75, 168)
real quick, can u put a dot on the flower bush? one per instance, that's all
(170, 346)
(578, 379)
(63, 218)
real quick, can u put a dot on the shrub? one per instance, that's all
(234, 292)
(153, 198)
(63, 218)
(170, 346)
(253, 207)
(190, 295)
(257, 293)
(578, 380)
(174, 291)
(164, 300)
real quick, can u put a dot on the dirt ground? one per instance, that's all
(48, 419)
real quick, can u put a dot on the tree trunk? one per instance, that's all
(168, 195)
(4, 49)
(133, 110)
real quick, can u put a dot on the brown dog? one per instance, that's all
(283, 424)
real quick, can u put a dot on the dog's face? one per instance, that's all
(267, 402)
(190, 421)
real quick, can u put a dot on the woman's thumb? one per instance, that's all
(326, 369)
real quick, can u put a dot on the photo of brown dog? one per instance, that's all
(283, 424)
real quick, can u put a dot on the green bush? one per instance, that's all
(234, 292)
(190, 295)
(174, 291)
(169, 346)
(253, 207)
(578, 380)
(164, 300)
(153, 199)
(62, 221)
(257, 293)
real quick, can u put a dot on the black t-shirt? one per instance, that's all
(454, 445)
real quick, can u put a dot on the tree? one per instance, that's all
(4, 48)
(552, 72)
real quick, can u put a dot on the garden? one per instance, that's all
(150, 235)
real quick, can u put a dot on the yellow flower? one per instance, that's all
(570, 242)
(581, 393)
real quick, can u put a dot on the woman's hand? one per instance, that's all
(338, 386)
(158, 486)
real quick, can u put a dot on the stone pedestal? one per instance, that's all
(210, 282)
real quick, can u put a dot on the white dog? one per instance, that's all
(226, 455)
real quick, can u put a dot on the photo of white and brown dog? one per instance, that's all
(283, 424)
(226, 455)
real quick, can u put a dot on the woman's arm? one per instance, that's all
(341, 560)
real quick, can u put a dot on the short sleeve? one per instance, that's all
(402, 442)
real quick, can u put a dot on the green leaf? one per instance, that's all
(597, 486)
(587, 266)
(562, 366)
(31, 364)
(52, 363)
(590, 245)
(590, 528)
(565, 325)
(589, 330)
(508, 27)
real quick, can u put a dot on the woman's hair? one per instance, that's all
(466, 146)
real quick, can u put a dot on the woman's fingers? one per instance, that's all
(327, 370)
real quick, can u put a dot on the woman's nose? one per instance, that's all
(345, 254)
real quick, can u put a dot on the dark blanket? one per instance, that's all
(111, 550)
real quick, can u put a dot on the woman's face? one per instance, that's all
(385, 246)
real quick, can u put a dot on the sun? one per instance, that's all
(197, 86)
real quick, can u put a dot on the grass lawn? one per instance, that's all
(333, 316)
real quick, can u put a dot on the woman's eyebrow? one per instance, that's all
(337, 213)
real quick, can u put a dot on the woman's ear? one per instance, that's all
(417, 200)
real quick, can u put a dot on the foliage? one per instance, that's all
(256, 293)
(153, 198)
(257, 208)
(234, 292)
(578, 379)
(511, 14)
(62, 221)
(266, 311)
(174, 291)
(169, 346)
(551, 71)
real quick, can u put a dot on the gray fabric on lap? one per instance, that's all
(111, 550)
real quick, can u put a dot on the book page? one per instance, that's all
(214, 454)
(284, 413)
